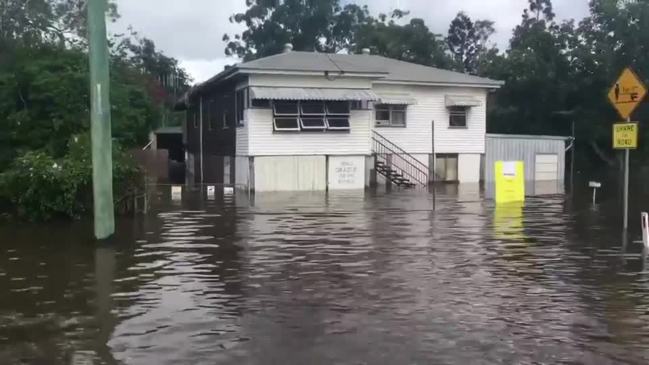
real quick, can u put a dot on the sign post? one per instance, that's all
(625, 95)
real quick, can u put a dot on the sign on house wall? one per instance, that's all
(346, 172)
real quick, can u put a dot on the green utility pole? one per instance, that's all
(102, 148)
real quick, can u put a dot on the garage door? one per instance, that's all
(546, 167)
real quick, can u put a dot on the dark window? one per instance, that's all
(228, 118)
(286, 108)
(261, 103)
(457, 116)
(390, 115)
(312, 108)
(338, 108)
(286, 124)
(338, 123)
(313, 123)
(360, 105)
(193, 117)
(213, 118)
(242, 104)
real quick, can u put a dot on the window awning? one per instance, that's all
(397, 99)
(462, 100)
(296, 93)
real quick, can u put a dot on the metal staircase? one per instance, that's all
(395, 164)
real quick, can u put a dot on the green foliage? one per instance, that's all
(40, 187)
(44, 99)
(312, 25)
(412, 42)
(326, 26)
(47, 21)
(555, 73)
(44, 104)
(467, 41)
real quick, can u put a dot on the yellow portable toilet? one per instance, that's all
(510, 182)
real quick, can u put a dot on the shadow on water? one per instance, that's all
(317, 278)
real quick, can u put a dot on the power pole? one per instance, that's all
(100, 128)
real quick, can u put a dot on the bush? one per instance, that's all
(39, 187)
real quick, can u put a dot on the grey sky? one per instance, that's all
(193, 33)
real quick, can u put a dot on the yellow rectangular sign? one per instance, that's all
(510, 181)
(625, 136)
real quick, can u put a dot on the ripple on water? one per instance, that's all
(314, 278)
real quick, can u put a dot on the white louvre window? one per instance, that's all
(286, 124)
(338, 115)
(286, 108)
(311, 115)
(287, 116)
(313, 123)
(338, 124)
(338, 108)
(312, 108)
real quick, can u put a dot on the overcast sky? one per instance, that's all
(192, 30)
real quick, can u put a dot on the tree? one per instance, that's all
(35, 21)
(537, 74)
(311, 25)
(467, 41)
(44, 101)
(412, 42)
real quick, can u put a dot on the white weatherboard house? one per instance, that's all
(314, 121)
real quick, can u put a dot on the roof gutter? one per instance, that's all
(494, 85)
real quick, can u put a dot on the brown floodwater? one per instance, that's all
(345, 278)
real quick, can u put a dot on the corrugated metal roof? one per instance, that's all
(295, 93)
(527, 136)
(462, 100)
(397, 99)
(385, 68)
(169, 130)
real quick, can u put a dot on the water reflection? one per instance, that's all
(309, 278)
(105, 271)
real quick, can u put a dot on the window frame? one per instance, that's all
(329, 102)
(276, 114)
(313, 128)
(347, 128)
(458, 112)
(303, 113)
(391, 109)
(297, 124)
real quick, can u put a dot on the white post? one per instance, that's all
(200, 129)
(644, 217)
(626, 185)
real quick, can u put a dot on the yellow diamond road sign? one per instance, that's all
(627, 93)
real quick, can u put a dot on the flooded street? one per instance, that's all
(311, 278)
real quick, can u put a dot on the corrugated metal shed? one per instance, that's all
(505, 147)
